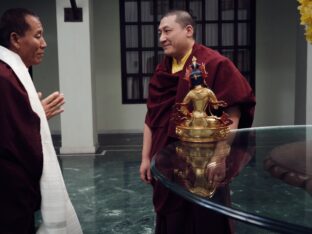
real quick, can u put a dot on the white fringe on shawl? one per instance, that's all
(58, 214)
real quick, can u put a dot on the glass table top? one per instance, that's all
(268, 172)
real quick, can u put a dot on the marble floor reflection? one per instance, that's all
(107, 192)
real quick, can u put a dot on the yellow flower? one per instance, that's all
(305, 9)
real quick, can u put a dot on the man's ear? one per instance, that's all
(189, 30)
(14, 40)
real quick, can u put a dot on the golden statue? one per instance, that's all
(198, 125)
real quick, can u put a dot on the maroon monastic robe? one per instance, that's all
(166, 89)
(21, 157)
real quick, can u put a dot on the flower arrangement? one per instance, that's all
(305, 9)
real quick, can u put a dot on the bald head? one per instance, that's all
(183, 18)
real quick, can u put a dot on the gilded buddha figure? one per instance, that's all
(200, 125)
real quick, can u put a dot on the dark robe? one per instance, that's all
(166, 89)
(21, 157)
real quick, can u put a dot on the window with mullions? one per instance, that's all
(227, 26)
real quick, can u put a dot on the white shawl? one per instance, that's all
(58, 214)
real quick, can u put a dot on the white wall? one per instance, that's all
(276, 26)
(112, 116)
(301, 75)
(276, 82)
(78, 125)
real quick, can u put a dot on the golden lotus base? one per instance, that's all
(202, 134)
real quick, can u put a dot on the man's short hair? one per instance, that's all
(13, 20)
(183, 18)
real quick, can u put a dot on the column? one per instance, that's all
(309, 85)
(75, 74)
(309, 120)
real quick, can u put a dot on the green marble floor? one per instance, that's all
(107, 193)
(106, 190)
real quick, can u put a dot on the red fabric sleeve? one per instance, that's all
(230, 86)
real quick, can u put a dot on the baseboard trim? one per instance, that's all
(78, 150)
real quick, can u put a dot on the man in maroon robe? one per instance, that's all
(21, 156)
(21, 151)
(168, 87)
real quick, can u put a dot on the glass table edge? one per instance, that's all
(246, 217)
(272, 127)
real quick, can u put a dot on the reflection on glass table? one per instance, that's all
(268, 171)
